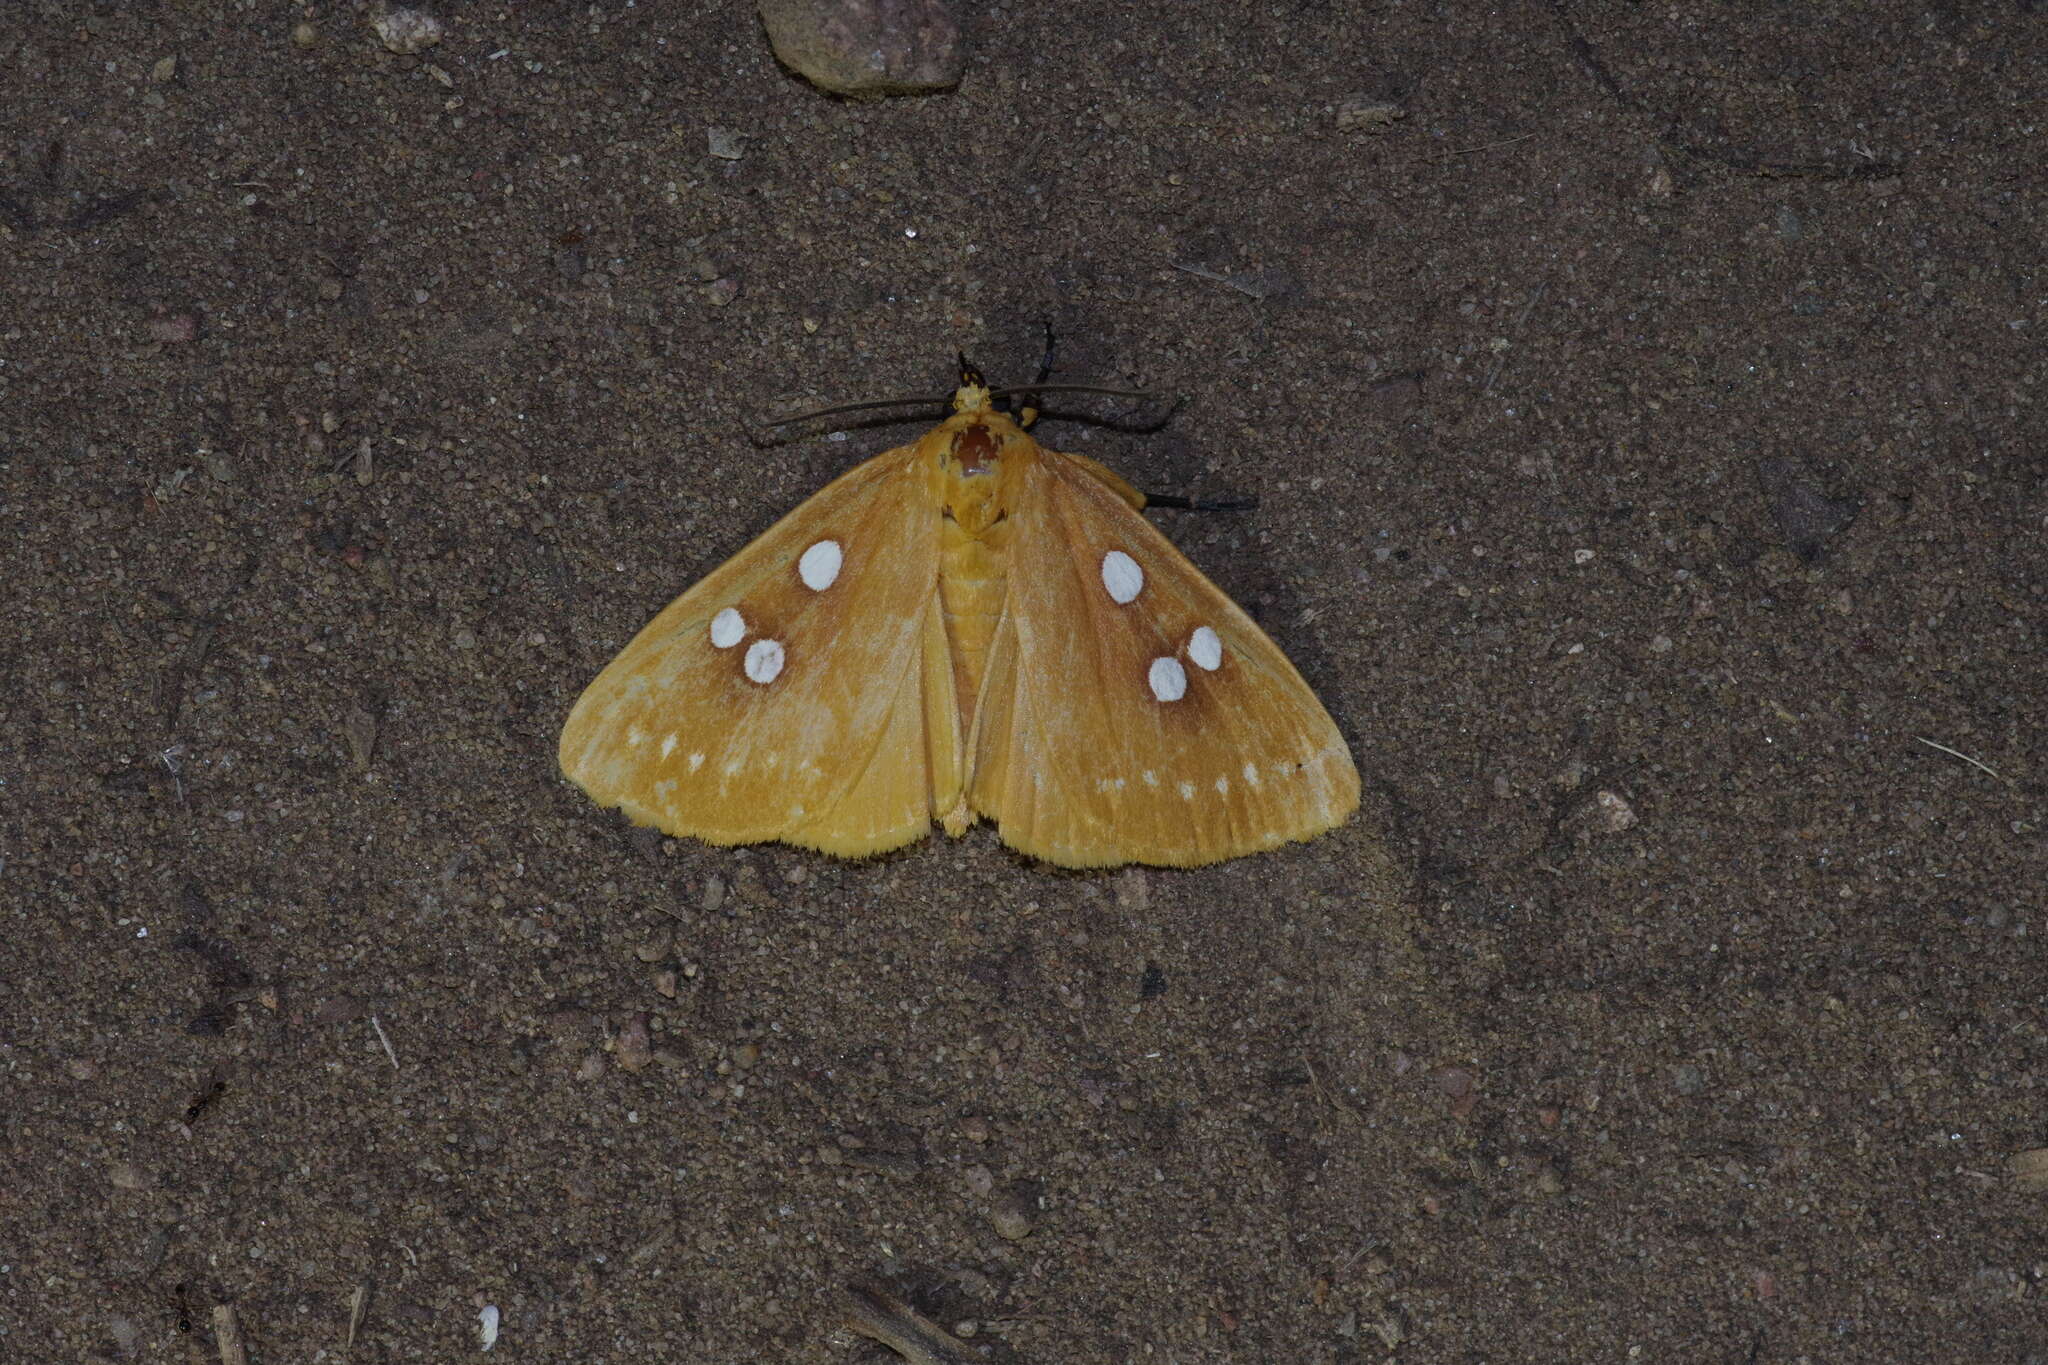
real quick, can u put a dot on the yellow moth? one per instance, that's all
(968, 627)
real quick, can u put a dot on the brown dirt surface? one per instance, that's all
(1645, 412)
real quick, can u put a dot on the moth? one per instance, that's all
(970, 627)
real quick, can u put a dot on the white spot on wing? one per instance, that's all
(1187, 791)
(1169, 680)
(1122, 579)
(668, 744)
(1251, 773)
(635, 736)
(819, 566)
(1223, 786)
(696, 762)
(728, 628)
(764, 661)
(1205, 649)
(1151, 778)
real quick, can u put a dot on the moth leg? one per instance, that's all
(1045, 361)
(1027, 412)
(1113, 482)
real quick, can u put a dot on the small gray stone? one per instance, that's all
(1010, 1214)
(1363, 113)
(867, 47)
(407, 31)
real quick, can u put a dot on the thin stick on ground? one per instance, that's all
(358, 1306)
(389, 1051)
(1957, 753)
(876, 1313)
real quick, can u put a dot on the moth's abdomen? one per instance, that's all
(973, 576)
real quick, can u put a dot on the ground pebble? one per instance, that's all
(1010, 1215)
(635, 1042)
(1362, 113)
(406, 31)
(867, 47)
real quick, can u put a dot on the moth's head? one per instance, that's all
(973, 394)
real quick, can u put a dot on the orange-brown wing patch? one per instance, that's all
(1133, 713)
(788, 696)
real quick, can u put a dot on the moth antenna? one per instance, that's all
(866, 405)
(767, 432)
(768, 425)
(1019, 390)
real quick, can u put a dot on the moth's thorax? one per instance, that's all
(973, 462)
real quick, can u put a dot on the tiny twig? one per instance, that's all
(877, 1314)
(1202, 271)
(389, 1051)
(358, 1305)
(1957, 753)
(1263, 285)
(1316, 1082)
(228, 1332)
(1500, 361)
(1482, 147)
(167, 757)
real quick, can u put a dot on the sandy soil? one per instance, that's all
(1647, 429)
